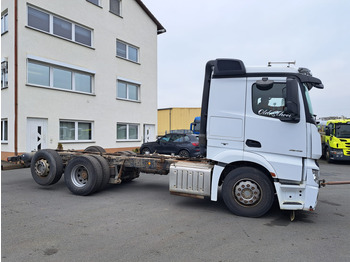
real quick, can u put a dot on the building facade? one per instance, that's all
(77, 73)
(176, 118)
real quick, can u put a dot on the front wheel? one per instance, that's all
(145, 151)
(248, 192)
(328, 155)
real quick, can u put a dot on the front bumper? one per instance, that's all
(303, 195)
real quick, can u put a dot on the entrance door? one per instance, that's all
(149, 133)
(36, 134)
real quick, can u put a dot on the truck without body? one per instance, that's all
(258, 139)
(335, 136)
(195, 126)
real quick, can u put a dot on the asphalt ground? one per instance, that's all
(141, 221)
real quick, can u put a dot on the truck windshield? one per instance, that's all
(197, 126)
(307, 95)
(342, 130)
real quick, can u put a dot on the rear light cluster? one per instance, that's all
(195, 143)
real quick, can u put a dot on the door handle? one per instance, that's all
(253, 143)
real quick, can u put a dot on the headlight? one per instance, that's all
(337, 152)
(316, 174)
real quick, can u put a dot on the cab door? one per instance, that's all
(268, 132)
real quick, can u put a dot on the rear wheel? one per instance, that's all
(83, 175)
(46, 167)
(105, 171)
(184, 153)
(97, 149)
(248, 192)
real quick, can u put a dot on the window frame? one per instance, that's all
(129, 83)
(4, 135)
(127, 55)
(76, 131)
(51, 27)
(128, 132)
(4, 23)
(74, 72)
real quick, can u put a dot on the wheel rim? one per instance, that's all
(42, 167)
(247, 192)
(146, 151)
(184, 153)
(79, 176)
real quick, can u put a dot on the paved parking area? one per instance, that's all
(141, 221)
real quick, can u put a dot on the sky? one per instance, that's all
(314, 33)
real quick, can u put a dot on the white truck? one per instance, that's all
(258, 140)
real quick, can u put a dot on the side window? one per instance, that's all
(178, 138)
(186, 139)
(165, 138)
(269, 101)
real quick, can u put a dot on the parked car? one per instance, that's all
(184, 145)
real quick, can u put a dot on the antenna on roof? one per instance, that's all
(288, 63)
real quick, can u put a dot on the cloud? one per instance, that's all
(313, 32)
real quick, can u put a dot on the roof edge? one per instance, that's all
(160, 28)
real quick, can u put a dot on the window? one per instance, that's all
(4, 74)
(71, 131)
(4, 23)
(127, 131)
(4, 130)
(115, 7)
(38, 19)
(95, 2)
(127, 51)
(127, 90)
(82, 35)
(54, 76)
(57, 26)
(269, 102)
(62, 28)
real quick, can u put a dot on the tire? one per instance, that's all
(97, 149)
(83, 175)
(105, 171)
(127, 153)
(328, 155)
(248, 192)
(184, 153)
(145, 151)
(46, 167)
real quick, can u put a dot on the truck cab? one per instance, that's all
(258, 127)
(336, 140)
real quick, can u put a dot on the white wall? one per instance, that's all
(134, 27)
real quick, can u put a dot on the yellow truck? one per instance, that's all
(335, 135)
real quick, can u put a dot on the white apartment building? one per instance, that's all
(77, 73)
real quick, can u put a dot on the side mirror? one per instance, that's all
(292, 107)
